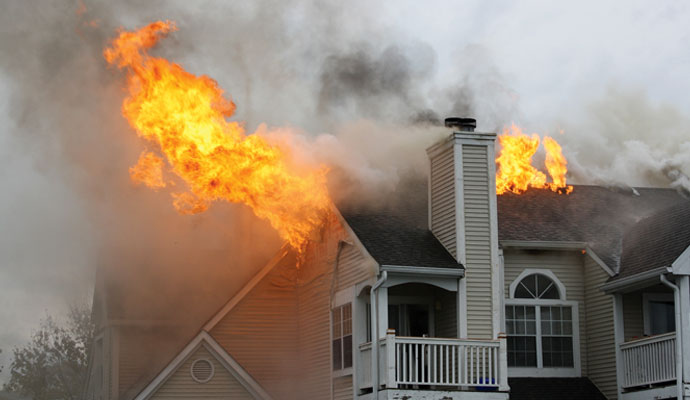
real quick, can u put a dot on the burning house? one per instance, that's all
(458, 292)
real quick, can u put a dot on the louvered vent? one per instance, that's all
(202, 370)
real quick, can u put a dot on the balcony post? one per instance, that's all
(391, 380)
(503, 362)
(619, 336)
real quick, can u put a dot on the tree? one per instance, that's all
(53, 365)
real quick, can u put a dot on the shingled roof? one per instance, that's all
(656, 241)
(597, 215)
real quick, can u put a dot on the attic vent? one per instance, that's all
(202, 370)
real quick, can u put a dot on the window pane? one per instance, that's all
(531, 327)
(509, 312)
(557, 351)
(522, 293)
(510, 327)
(521, 351)
(662, 317)
(545, 327)
(347, 351)
(567, 314)
(337, 354)
(347, 319)
(550, 293)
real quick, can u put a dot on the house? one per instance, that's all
(453, 293)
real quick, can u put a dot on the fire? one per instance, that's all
(515, 171)
(186, 116)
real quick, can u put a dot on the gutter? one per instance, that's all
(373, 294)
(679, 335)
(632, 280)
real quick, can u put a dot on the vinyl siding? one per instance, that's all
(443, 199)
(477, 241)
(633, 322)
(446, 314)
(601, 347)
(568, 266)
(342, 388)
(181, 385)
(280, 332)
(260, 333)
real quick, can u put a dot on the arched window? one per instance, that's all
(541, 324)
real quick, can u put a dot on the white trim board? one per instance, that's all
(232, 366)
(284, 250)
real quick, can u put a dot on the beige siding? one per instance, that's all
(443, 199)
(181, 385)
(445, 306)
(568, 266)
(477, 240)
(352, 268)
(601, 350)
(261, 331)
(633, 323)
(342, 388)
(280, 332)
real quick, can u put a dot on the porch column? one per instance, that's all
(462, 308)
(619, 335)
(382, 302)
(684, 329)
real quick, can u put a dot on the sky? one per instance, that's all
(608, 79)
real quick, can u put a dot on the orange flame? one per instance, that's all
(515, 171)
(186, 115)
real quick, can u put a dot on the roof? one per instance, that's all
(597, 215)
(553, 388)
(656, 241)
(397, 233)
(600, 216)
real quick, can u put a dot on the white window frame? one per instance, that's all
(647, 298)
(540, 371)
(340, 299)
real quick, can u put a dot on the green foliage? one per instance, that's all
(53, 365)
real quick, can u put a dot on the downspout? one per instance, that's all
(373, 294)
(679, 335)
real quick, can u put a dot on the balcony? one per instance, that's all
(416, 363)
(649, 361)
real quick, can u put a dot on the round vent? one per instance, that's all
(202, 370)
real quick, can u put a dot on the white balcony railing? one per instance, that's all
(649, 361)
(414, 361)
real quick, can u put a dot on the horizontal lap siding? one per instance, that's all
(443, 199)
(601, 347)
(261, 331)
(342, 388)
(477, 240)
(633, 322)
(568, 266)
(181, 385)
(352, 268)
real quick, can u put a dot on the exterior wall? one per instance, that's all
(222, 385)
(446, 306)
(261, 331)
(568, 266)
(442, 199)
(600, 337)
(477, 241)
(281, 331)
(633, 320)
(342, 388)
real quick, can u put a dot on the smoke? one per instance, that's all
(625, 139)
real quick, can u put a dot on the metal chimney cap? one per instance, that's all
(462, 124)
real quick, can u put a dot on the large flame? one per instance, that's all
(515, 171)
(186, 116)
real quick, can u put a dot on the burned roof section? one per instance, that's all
(656, 241)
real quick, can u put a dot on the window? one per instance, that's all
(342, 337)
(542, 332)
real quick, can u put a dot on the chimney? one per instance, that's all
(463, 217)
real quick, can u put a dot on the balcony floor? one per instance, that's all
(410, 394)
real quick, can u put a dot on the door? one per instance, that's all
(410, 319)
